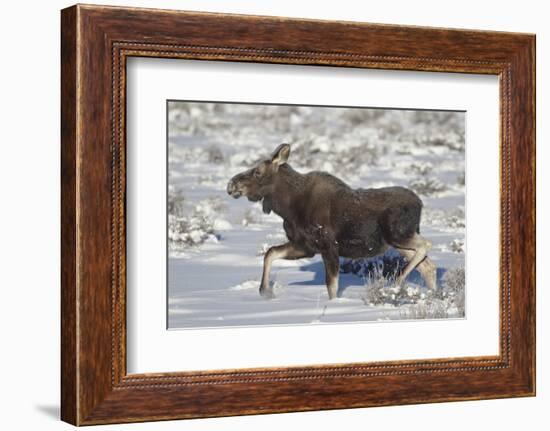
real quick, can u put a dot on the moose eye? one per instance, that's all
(257, 173)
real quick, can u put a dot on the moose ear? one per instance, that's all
(280, 155)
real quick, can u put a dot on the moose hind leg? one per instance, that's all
(332, 269)
(420, 247)
(426, 268)
(284, 251)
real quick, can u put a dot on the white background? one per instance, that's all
(29, 220)
(152, 349)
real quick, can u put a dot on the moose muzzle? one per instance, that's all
(232, 190)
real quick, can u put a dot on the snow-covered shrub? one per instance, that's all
(452, 140)
(421, 168)
(456, 221)
(175, 201)
(375, 292)
(215, 154)
(457, 246)
(453, 289)
(379, 274)
(189, 230)
(453, 218)
(217, 182)
(362, 116)
(357, 156)
(193, 225)
(247, 157)
(212, 206)
(413, 303)
(383, 291)
(340, 155)
(427, 186)
(430, 308)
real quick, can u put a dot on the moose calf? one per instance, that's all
(322, 214)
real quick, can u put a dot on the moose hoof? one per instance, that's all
(400, 285)
(267, 293)
(332, 296)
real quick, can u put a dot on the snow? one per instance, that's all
(216, 243)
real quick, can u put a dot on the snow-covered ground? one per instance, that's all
(216, 243)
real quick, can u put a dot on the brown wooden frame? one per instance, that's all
(95, 43)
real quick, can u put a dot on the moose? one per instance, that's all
(322, 214)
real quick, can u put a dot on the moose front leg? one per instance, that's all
(332, 269)
(289, 251)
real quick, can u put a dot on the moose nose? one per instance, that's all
(230, 187)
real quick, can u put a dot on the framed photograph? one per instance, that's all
(320, 214)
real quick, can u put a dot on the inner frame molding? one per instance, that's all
(96, 42)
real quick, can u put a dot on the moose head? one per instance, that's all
(257, 182)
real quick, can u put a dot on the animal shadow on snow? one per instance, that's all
(354, 273)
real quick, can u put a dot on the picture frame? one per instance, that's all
(96, 42)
